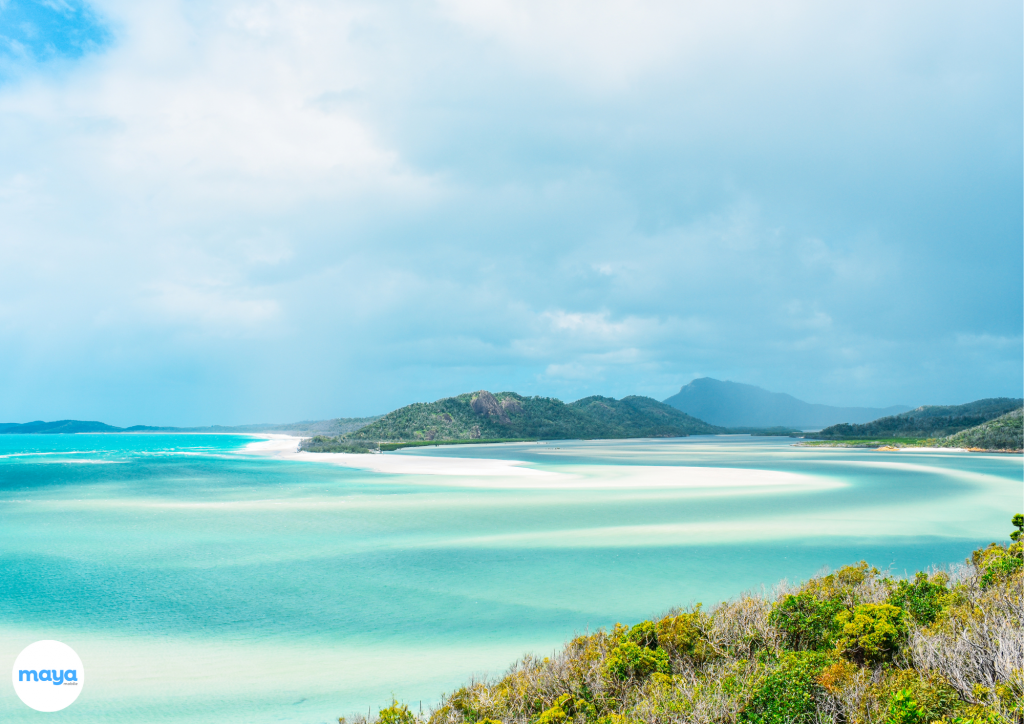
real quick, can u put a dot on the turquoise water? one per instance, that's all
(201, 582)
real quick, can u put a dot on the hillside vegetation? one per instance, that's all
(852, 647)
(930, 421)
(1006, 432)
(506, 415)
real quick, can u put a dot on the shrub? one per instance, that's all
(805, 622)
(629, 660)
(684, 636)
(903, 709)
(556, 714)
(845, 586)
(922, 599)
(789, 693)
(396, 714)
(871, 633)
(997, 563)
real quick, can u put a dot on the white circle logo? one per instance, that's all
(48, 675)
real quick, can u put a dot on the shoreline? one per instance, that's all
(487, 472)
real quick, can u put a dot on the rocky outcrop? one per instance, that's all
(486, 405)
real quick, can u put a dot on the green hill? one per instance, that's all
(1006, 432)
(930, 421)
(506, 415)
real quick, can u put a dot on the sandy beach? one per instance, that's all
(481, 472)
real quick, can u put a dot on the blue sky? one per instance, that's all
(228, 212)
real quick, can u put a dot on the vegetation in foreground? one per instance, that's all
(855, 646)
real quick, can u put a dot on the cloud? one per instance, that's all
(384, 203)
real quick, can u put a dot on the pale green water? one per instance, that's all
(200, 583)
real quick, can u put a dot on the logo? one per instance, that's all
(48, 675)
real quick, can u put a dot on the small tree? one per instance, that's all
(1018, 520)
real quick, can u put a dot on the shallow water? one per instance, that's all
(200, 582)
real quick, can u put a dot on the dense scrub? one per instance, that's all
(854, 646)
(1003, 433)
(930, 421)
(320, 443)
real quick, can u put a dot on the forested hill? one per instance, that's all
(1005, 432)
(929, 421)
(506, 415)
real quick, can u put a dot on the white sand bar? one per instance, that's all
(490, 473)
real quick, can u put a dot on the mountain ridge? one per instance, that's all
(736, 404)
(507, 415)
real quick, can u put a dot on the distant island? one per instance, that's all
(503, 416)
(993, 424)
(737, 405)
(337, 426)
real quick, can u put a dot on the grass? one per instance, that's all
(878, 442)
(387, 446)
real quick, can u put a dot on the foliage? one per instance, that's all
(1003, 433)
(903, 709)
(391, 446)
(506, 415)
(850, 647)
(788, 693)
(930, 421)
(638, 654)
(872, 632)
(921, 599)
(396, 714)
(997, 562)
(806, 623)
(686, 636)
(320, 443)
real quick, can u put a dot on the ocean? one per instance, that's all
(201, 580)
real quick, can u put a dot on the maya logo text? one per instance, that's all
(54, 676)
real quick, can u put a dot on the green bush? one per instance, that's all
(638, 655)
(683, 636)
(903, 709)
(922, 599)
(396, 714)
(789, 692)
(1000, 569)
(556, 714)
(871, 633)
(806, 623)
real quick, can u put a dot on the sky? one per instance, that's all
(226, 212)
